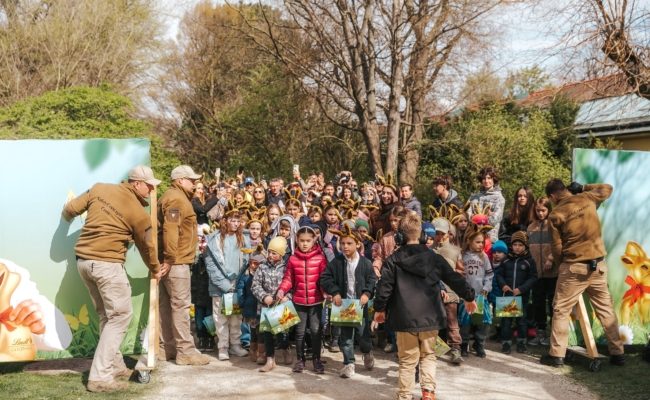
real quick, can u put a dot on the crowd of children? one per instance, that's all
(315, 243)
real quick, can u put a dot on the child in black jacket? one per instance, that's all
(516, 277)
(351, 276)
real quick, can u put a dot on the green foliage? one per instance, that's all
(82, 113)
(516, 143)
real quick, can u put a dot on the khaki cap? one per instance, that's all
(144, 174)
(184, 171)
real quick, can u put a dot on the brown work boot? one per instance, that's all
(261, 357)
(252, 352)
(270, 364)
(106, 386)
(192, 359)
(428, 395)
(123, 374)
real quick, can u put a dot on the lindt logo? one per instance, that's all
(22, 342)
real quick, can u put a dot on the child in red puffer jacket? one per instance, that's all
(301, 278)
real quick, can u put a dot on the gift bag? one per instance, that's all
(264, 323)
(441, 348)
(350, 313)
(509, 307)
(282, 317)
(208, 322)
(230, 304)
(483, 313)
(371, 309)
(480, 302)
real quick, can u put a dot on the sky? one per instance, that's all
(524, 43)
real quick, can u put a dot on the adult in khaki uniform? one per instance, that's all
(116, 216)
(178, 241)
(578, 246)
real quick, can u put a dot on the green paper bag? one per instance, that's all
(441, 348)
(282, 317)
(509, 307)
(264, 324)
(480, 302)
(350, 313)
(371, 309)
(230, 304)
(208, 322)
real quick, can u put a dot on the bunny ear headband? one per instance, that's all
(387, 182)
(251, 250)
(231, 209)
(345, 231)
(255, 215)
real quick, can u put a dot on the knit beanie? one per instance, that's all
(361, 223)
(279, 245)
(500, 246)
(519, 236)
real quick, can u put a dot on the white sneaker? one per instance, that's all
(347, 371)
(237, 350)
(369, 361)
(223, 355)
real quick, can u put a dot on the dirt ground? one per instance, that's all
(499, 376)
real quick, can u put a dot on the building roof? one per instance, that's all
(611, 116)
(580, 92)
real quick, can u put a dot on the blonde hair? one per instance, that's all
(411, 225)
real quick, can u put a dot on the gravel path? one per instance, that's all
(498, 377)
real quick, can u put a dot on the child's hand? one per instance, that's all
(268, 300)
(506, 289)
(444, 295)
(284, 299)
(516, 292)
(279, 295)
(380, 317)
(364, 299)
(548, 265)
(337, 300)
(470, 306)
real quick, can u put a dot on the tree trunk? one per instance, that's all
(396, 88)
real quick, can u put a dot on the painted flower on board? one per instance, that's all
(626, 334)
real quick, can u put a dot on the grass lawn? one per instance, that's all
(16, 384)
(630, 382)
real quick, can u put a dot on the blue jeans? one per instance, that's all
(346, 341)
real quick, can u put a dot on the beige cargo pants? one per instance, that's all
(110, 292)
(575, 279)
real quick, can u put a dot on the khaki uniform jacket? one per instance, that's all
(177, 228)
(116, 216)
(575, 226)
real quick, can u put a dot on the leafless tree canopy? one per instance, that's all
(372, 64)
(47, 45)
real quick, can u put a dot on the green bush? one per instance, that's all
(83, 113)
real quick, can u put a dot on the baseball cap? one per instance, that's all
(249, 181)
(144, 174)
(184, 171)
(441, 225)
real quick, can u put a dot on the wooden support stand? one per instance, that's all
(146, 365)
(590, 350)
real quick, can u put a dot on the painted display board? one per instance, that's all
(624, 217)
(37, 260)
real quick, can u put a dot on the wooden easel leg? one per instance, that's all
(585, 326)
